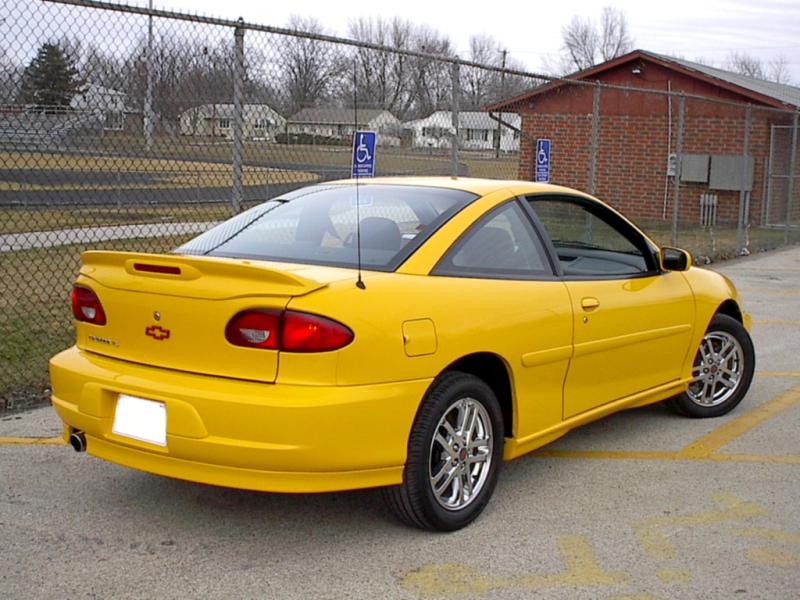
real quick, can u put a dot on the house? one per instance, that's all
(259, 121)
(476, 131)
(107, 104)
(636, 138)
(339, 124)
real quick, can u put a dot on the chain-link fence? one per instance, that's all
(128, 128)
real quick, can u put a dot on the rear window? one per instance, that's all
(317, 225)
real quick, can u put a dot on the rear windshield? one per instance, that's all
(317, 225)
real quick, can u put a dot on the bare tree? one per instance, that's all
(10, 77)
(744, 64)
(383, 77)
(311, 67)
(585, 44)
(580, 42)
(484, 86)
(776, 69)
(615, 40)
(430, 84)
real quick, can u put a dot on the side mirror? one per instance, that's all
(675, 259)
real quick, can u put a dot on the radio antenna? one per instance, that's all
(360, 282)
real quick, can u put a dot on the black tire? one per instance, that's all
(710, 397)
(415, 501)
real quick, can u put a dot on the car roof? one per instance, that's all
(467, 184)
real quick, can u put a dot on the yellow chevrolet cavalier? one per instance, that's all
(463, 323)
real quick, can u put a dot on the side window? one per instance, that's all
(502, 245)
(590, 243)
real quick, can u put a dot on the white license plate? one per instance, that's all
(140, 419)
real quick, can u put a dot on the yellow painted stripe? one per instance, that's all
(606, 454)
(780, 459)
(777, 373)
(30, 441)
(646, 455)
(731, 430)
(772, 291)
(782, 322)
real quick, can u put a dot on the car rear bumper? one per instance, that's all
(248, 435)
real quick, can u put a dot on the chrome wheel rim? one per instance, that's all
(460, 454)
(717, 369)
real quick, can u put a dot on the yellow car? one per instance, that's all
(464, 322)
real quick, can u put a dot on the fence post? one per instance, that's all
(238, 76)
(678, 160)
(789, 198)
(595, 139)
(455, 73)
(147, 120)
(744, 208)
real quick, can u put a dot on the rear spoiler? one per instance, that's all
(193, 276)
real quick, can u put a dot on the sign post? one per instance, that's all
(363, 164)
(542, 161)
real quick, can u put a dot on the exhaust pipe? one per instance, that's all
(78, 441)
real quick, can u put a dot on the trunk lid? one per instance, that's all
(170, 311)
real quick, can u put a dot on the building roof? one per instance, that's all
(784, 93)
(337, 116)
(468, 119)
(778, 95)
(225, 111)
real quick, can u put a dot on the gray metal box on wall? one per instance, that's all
(726, 173)
(694, 168)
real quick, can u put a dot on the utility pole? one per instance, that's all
(502, 97)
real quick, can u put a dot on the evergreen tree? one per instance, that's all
(51, 79)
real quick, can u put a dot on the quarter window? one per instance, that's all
(503, 245)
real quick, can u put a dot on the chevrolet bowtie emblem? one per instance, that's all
(157, 332)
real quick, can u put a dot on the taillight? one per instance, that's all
(86, 306)
(302, 332)
(290, 331)
(254, 329)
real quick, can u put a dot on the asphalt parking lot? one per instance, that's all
(642, 505)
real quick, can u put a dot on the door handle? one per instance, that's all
(589, 303)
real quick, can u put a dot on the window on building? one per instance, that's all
(477, 135)
(261, 123)
(224, 123)
(114, 121)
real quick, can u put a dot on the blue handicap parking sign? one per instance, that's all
(363, 154)
(543, 161)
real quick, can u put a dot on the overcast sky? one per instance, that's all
(530, 30)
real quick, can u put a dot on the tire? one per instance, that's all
(722, 371)
(447, 456)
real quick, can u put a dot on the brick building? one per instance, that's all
(638, 131)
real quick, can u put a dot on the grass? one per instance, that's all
(388, 160)
(25, 219)
(715, 244)
(159, 173)
(35, 317)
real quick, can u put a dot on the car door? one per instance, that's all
(502, 265)
(632, 322)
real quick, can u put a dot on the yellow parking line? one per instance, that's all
(781, 459)
(772, 291)
(606, 454)
(776, 322)
(777, 373)
(643, 455)
(725, 434)
(31, 441)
